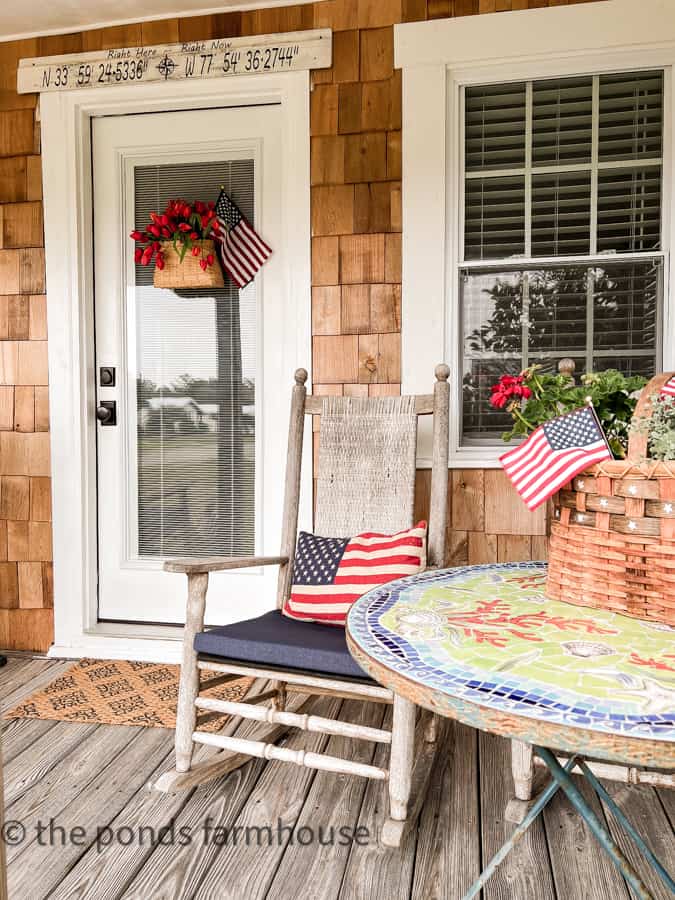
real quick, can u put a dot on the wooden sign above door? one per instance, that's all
(191, 61)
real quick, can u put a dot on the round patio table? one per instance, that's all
(484, 645)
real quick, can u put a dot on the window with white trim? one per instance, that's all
(561, 252)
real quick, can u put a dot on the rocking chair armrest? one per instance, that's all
(221, 563)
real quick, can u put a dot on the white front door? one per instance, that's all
(201, 385)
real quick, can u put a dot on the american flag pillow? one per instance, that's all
(329, 574)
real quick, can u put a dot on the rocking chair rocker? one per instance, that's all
(367, 455)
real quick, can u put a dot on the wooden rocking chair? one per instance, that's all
(367, 455)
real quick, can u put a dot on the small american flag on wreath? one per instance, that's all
(554, 453)
(242, 250)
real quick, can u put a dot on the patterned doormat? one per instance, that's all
(118, 692)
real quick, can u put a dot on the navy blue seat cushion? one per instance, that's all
(276, 640)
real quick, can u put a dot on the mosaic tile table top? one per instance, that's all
(488, 635)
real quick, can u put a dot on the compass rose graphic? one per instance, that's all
(166, 66)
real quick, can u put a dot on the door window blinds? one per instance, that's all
(195, 357)
(562, 251)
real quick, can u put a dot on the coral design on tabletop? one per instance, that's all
(480, 633)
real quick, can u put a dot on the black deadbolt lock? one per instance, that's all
(106, 376)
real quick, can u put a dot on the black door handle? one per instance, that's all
(106, 412)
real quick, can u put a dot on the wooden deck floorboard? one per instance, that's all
(374, 871)
(332, 804)
(579, 866)
(89, 777)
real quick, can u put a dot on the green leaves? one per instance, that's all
(613, 395)
(660, 428)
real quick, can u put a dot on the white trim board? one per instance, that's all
(559, 31)
(438, 58)
(196, 60)
(66, 162)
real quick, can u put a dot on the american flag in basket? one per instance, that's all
(554, 453)
(242, 250)
(668, 389)
(329, 574)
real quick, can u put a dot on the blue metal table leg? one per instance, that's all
(562, 779)
(500, 855)
(618, 814)
(574, 795)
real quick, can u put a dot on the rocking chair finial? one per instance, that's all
(442, 372)
(301, 376)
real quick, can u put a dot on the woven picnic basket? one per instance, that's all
(187, 274)
(612, 540)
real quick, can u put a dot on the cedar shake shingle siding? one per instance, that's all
(356, 274)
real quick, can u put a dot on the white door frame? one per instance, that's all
(66, 164)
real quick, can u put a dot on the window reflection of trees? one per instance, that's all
(542, 315)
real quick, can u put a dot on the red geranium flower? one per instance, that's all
(509, 387)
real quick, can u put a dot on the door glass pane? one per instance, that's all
(195, 357)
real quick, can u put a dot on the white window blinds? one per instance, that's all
(562, 249)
